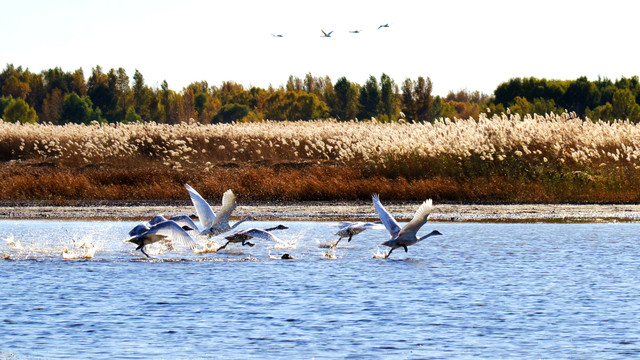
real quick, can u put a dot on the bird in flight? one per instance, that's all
(355, 31)
(325, 34)
(385, 26)
(277, 35)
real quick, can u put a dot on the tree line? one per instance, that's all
(58, 97)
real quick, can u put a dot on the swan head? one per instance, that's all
(435, 232)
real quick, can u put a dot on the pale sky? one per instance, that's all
(463, 44)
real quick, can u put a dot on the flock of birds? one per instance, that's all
(176, 229)
(328, 34)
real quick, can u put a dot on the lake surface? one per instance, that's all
(76, 289)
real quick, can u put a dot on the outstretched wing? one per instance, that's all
(184, 220)
(139, 230)
(419, 218)
(205, 213)
(157, 219)
(387, 220)
(261, 234)
(174, 232)
(228, 205)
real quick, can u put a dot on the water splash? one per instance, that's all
(380, 254)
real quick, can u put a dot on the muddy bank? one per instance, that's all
(330, 211)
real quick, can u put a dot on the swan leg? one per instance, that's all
(223, 246)
(350, 236)
(336, 244)
(405, 248)
(142, 249)
(389, 253)
(247, 243)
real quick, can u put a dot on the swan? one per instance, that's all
(277, 35)
(325, 34)
(383, 26)
(183, 220)
(355, 31)
(349, 229)
(243, 235)
(215, 224)
(164, 230)
(407, 235)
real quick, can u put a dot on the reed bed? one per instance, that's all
(497, 158)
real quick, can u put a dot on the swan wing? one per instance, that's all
(139, 230)
(261, 234)
(419, 218)
(228, 205)
(174, 232)
(325, 34)
(184, 220)
(387, 220)
(205, 213)
(157, 219)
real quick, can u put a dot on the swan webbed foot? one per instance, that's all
(142, 249)
(223, 246)
(247, 243)
(350, 236)
(405, 248)
(389, 253)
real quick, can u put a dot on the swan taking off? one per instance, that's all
(243, 235)
(407, 235)
(215, 224)
(349, 229)
(164, 230)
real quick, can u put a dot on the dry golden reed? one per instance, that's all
(506, 158)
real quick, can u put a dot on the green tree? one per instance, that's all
(580, 95)
(131, 116)
(388, 104)
(141, 96)
(231, 112)
(624, 106)
(344, 102)
(17, 110)
(77, 110)
(369, 99)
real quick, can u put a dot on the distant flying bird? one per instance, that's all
(408, 235)
(326, 34)
(277, 35)
(215, 224)
(243, 235)
(164, 230)
(350, 229)
(355, 31)
(385, 26)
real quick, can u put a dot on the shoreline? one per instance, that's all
(328, 211)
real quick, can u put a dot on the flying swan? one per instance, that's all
(243, 235)
(164, 230)
(215, 224)
(408, 235)
(350, 229)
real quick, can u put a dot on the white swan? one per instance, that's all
(164, 230)
(246, 234)
(183, 220)
(325, 34)
(349, 229)
(215, 224)
(408, 235)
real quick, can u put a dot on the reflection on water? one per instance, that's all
(80, 290)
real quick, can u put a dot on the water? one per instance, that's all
(524, 291)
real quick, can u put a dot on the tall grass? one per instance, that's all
(505, 158)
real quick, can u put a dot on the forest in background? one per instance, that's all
(58, 97)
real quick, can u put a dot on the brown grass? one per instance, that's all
(505, 159)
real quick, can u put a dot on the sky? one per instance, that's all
(463, 44)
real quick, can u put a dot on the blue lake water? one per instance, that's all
(74, 289)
